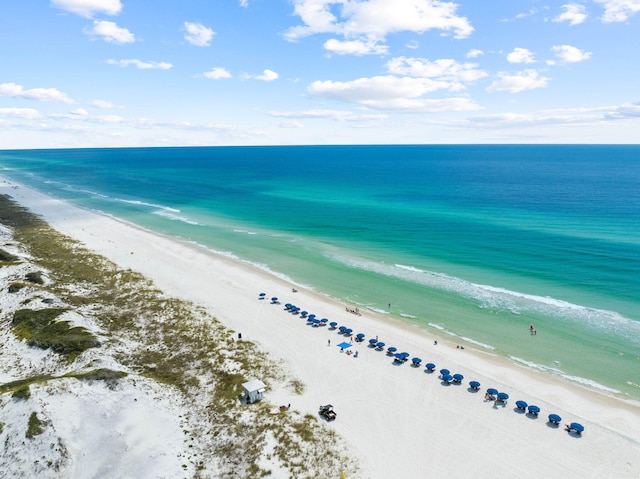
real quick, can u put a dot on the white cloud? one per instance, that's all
(524, 80)
(474, 53)
(442, 69)
(290, 124)
(370, 21)
(198, 35)
(80, 112)
(338, 115)
(217, 73)
(267, 75)
(569, 54)
(355, 47)
(391, 93)
(24, 113)
(140, 64)
(619, 10)
(574, 13)
(244, 3)
(520, 55)
(103, 104)
(39, 94)
(112, 33)
(88, 8)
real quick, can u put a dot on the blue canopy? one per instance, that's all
(534, 409)
(303, 313)
(344, 345)
(288, 306)
(262, 294)
(554, 418)
(311, 316)
(521, 404)
(503, 396)
(447, 377)
(430, 366)
(444, 372)
(373, 341)
(380, 345)
(458, 377)
(348, 331)
(392, 349)
(416, 360)
(474, 384)
(576, 426)
(342, 328)
(324, 320)
(333, 324)
(360, 335)
(492, 391)
(274, 299)
(401, 356)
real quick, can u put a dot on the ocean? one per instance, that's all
(474, 242)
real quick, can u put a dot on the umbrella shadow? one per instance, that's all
(519, 410)
(473, 390)
(575, 434)
(552, 425)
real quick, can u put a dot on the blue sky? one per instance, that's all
(85, 73)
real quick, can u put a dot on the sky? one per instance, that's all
(117, 73)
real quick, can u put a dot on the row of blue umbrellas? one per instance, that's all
(445, 373)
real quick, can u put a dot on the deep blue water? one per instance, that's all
(475, 241)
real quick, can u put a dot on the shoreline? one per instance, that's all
(376, 400)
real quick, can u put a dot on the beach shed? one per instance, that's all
(253, 390)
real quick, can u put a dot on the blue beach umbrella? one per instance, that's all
(333, 324)
(474, 384)
(447, 378)
(520, 404)
(342, 329)
(534, 409)
(392, 350)
(303, 314)
(577, 427)
(444, 372)
(458, 377)
(288, 306)
(416, 361)
(503, 396)
(430, 366)
(373, 341)
(380, 345)
(274, 300)
(554, 419)
(360, 336)
(262, 295)
(324, 321)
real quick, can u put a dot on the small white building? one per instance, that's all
(253, 390)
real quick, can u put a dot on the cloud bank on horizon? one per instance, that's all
(83, 73)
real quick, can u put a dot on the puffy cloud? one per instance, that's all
(524, 80)
(443, 69)
(39, 94)
(267, 75)
(217, 73)
(355, 47)
(103, 104)
(24, 113)
(474, 53)
(198, 35)
(370, 21)
(574, 13)
(391, 93)
(619, 10)
(88, 8)
(569, 54)
(110, 32)
(140, 64)
(520, 55)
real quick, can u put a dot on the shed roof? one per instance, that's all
(254, 385)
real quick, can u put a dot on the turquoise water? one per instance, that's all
(476, 242)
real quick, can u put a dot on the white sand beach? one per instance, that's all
(398, 420)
